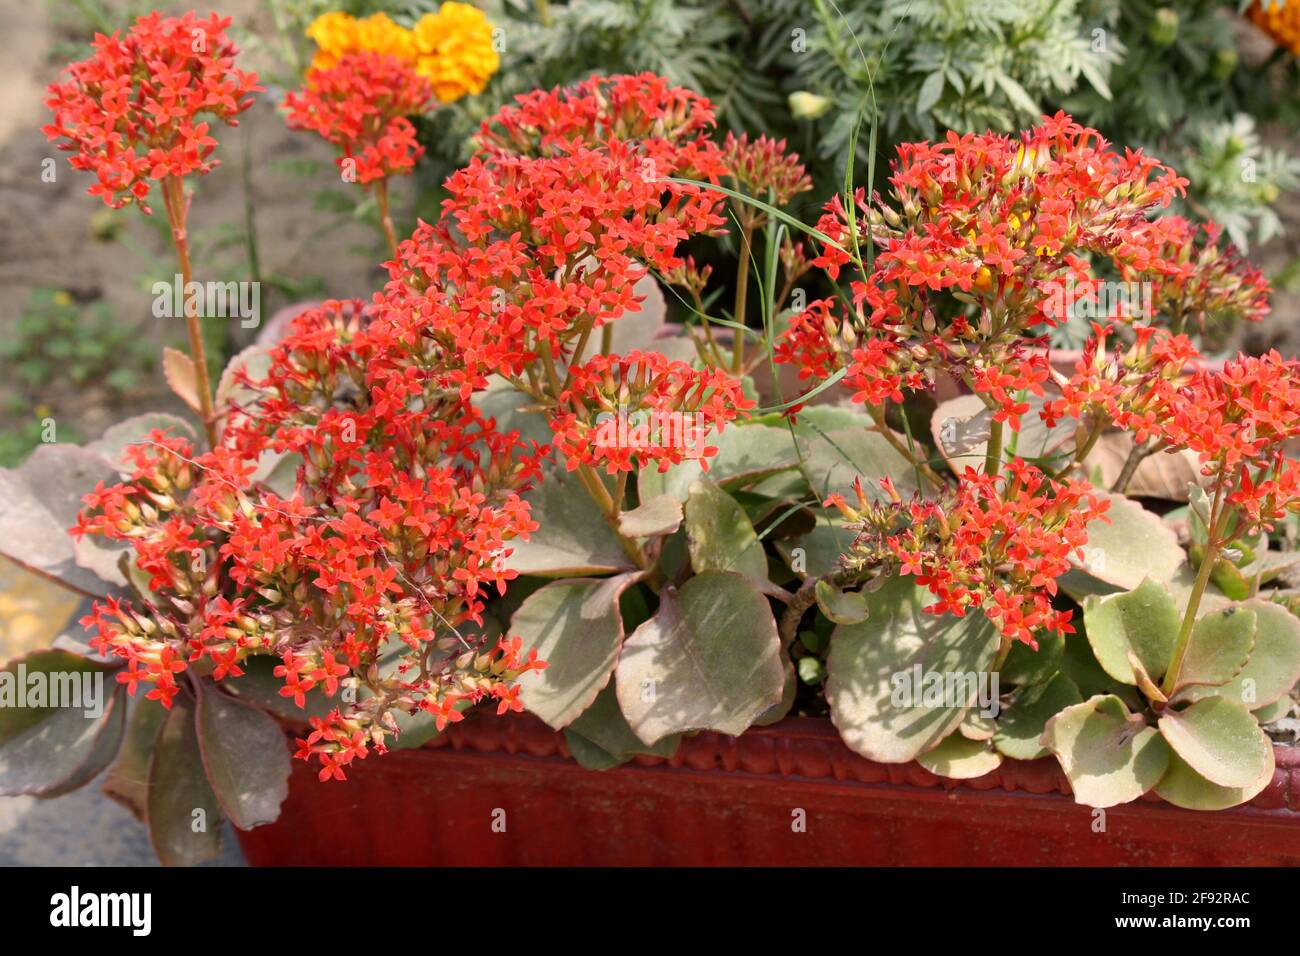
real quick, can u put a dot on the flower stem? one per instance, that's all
(385, 216)
(742, 292)
(611, 509)
(174, 200)
(1212, 548)
(993, 458)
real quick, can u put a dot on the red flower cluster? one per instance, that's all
(623, 412)
(132, 112)
(668, 123)
(970, 272)
(1194, 282)
(361, 105)
(1238, 422)
(544, 236)
(997, 544)
(373, 573)
(1134, 388)
(405, 504)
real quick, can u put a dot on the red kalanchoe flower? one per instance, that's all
(134, 111)
(1194, 282)
(969, 275)
(361, 105)
(994, 544)
(1238, 421)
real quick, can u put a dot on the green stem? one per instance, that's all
(1212, 549)
(993, 459)
(742, 291)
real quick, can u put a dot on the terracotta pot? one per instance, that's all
(725, 800)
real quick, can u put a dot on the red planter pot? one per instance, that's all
(723, 800)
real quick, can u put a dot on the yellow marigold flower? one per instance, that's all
(334, 34)
(455, 52)
(379, 34)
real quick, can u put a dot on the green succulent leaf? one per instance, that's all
(48, 750)
(183, 812)
(960, 758)
(573, 537)
(659, 516)
(1020, 726)
(601, 738)
(1109, 755)
(708, 660)
(1274, 664)
(1184, 787)
(246, 756)
(1024, 665)
(1219, 646)
(817, 553)
(128, 779)
(720, 535)
(747, 454)
(872, 666)
(842, 607)
(1144, 621)
(575, 626)
(39, 502)
(1079, 664)
(832, 461)
(1220, 740)
(977, 725)
(1132, 547)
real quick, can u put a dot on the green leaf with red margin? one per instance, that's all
(183, 812)
(601, 737)
(575, 626)
(709, 659)
(869, 663)
(246, 756)
(45, 750)
(1109, 755)
(128, 779)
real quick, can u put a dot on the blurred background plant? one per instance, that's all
(60, 348)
